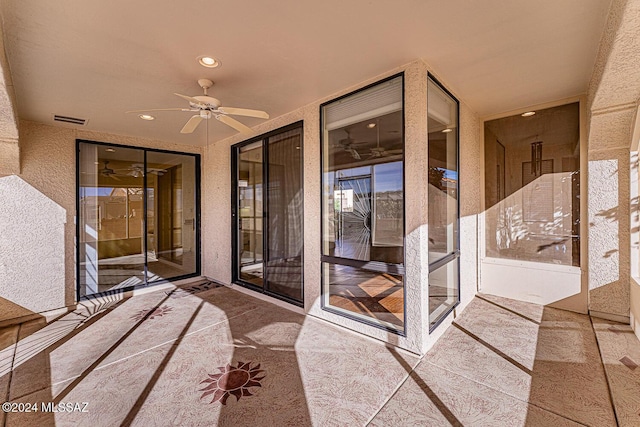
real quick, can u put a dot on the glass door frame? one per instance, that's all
(146, 283)
(235, 217)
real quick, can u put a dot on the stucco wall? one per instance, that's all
(37, 234)
(217, 208)
(613, 97)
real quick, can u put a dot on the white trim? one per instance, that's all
(608, 316)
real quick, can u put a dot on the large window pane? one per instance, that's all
(443, 202)
(250, 252)
(363, 204)
(171, 215)
(532, 186)
(111, 246)
(284, 215)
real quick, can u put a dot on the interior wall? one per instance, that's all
(217, 226)
(37, 238)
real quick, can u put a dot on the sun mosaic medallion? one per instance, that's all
(232, 380)
(157, 312)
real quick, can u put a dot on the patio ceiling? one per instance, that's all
(96, 60)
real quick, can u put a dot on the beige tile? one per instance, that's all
(68, 347)
(437, 397)
(528, 310)
(553, 364)
(617, 342)
(8, 338)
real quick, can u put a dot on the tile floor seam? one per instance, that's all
(395, 391)
(506, 393)
(13, 360)
(125, 358)
(606, 375)
(165, 343)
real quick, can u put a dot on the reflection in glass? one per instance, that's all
(536, 216)
(284, 215)
(269, 198)
(443, 202)
(171, 211)
(363, 204)
(114, 252)
(366, 294)
(250, 213)
(111, 217)
(442, 295)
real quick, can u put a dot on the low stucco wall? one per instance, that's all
(37, 218)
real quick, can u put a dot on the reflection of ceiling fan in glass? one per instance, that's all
(347, 145)
(136, 170)
(377, 151)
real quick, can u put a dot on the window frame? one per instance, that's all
(374, 266)
(450, 257)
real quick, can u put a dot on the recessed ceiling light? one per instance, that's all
(110, 150)
(371, 125)
(528, 114)
(447, 130)
(208, 61)
(146, 117)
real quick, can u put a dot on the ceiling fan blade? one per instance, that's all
(244, 112)
(192, 124)
(160, 109)
(234, 124)
(189, 98)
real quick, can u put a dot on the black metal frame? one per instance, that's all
(455, 254)
(235, 149)
(198, 271)
(376, 266)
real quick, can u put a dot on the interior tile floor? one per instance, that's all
(207, 355)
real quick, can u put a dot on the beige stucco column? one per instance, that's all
(613, 101)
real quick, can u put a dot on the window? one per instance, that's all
(363, 205)
(444, 202)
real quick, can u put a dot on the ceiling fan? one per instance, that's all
(206, 107)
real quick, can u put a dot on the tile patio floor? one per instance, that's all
(213, 356)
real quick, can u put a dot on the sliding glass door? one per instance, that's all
(267, 212)
(137, 217)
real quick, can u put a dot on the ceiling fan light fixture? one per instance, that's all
(528, 114)
(371, 125)
(110, 150)
(208, 61)
(146, 117)
(447, 130)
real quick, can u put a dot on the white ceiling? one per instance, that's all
(98, 59)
